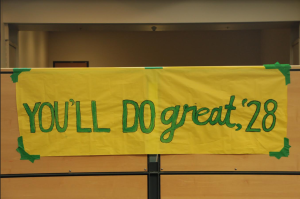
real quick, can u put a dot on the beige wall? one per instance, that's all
(195, 48)
(33, 49)
(149, 11)
(156, 48)
(146, 11)
(296, 49)
(2, 45)
(12, 56)
(296, 54)
(3, 51)
(275, 45)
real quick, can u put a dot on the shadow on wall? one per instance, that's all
(170, 48)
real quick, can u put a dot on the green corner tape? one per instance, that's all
(283, 68)
(17, 72)
(153, 67)
(23, 153)
(285, 151)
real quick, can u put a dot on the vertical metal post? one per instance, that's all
(154, 176)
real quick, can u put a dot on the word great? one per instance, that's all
(215, 117)
(196, 113)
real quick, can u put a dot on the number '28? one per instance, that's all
(270, 113)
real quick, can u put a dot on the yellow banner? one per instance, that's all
(170, 110)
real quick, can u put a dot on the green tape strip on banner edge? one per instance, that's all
(153, 67)
(283, 68)
(23, 153)
(285, 151)
(17, 72)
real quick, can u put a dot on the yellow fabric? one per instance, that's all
(195, 86)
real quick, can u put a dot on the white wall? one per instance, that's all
(33, 49)
(194, 48)
(149, 11)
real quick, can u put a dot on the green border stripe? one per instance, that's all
(283, 68)
(285, 151)
(23, 153)
(17, 72)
